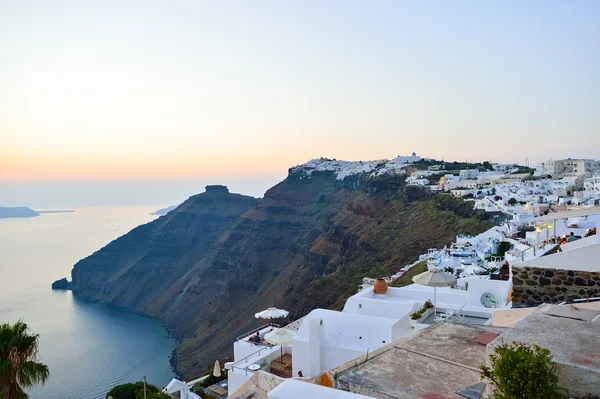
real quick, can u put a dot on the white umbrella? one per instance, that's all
(281, 336)
(434, 278)
(217, 370)
(271, 313)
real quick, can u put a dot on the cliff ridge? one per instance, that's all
(206, 267)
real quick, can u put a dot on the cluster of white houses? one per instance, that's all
(560, 168)
(567, 182)
(390, 344)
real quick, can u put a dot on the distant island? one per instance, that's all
(164, 211)
(24, 212)
(17, 212)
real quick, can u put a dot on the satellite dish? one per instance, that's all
(488, 300)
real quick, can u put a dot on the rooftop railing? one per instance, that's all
(249, 333)
(243, 364)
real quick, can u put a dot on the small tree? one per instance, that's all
(521, 371)
(512, 202)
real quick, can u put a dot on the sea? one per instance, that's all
(89, 348)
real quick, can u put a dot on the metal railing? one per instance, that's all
(453, 312)
(247, 334)
(534, 249)
(243, 364)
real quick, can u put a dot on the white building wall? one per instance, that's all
(477, 287)
(469, 174)
(334, 357)
(327, 339)
(374, 307)
(242, 349)
(330, 357)
(294, 389)
(236, 378)
(301, 359)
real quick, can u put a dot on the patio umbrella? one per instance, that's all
(281, 336)
(217, 370)
(434, 278)
(271, 313)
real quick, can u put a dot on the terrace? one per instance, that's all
(253, 357)
(436, 363)
(243, 345)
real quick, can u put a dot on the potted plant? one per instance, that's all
(414, 317)
(419, 316)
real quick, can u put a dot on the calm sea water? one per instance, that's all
(89, 348)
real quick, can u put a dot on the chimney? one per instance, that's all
(315, 341)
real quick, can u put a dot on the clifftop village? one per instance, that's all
(426, 331)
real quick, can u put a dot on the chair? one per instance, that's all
(452, 313)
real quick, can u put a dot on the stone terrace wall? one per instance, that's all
(533, 286)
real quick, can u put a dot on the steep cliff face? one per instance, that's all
(209, 265)
(146, 268)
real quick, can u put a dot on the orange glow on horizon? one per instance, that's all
(132, 168)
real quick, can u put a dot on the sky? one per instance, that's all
(109, 93)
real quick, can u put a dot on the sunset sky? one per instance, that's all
(120, 90)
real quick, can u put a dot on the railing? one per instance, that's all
(534, 248)
(247, 334)
(453, 312)
(245, 363)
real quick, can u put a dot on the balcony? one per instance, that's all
(244, 347)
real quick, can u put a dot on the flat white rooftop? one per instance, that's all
(595, 210)
(350, 330)
(400, 302)
(584, 259)
(397, 302)
(294, 389)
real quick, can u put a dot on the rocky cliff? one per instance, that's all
(205, 268)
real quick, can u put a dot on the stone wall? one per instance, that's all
(533, 286)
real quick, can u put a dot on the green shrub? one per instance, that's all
(153, 395)
(208, 381)
(135, 390)
(417, 314)
(521, 371)
(503, 248)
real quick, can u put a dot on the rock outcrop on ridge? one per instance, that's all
(62, 284)
(206, 267)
